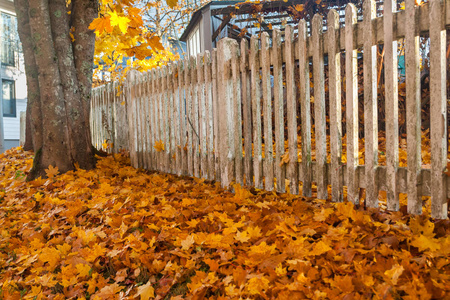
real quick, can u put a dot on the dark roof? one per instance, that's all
(198, 14)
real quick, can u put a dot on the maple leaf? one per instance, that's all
(320, 248)
(51, 171)
(83, 270)
(172, 3)
(122, 22)
(146, 291)
(242, 236)
(187, 243)
(256, 285)
(101, 24)
(394, 273)
(159, 146)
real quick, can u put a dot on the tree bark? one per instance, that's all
(58, 97)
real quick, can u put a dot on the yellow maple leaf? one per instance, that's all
(242, 236)
(394, 273)
(424, 242)
(101, 24)
(146, 291)
(172, 3)
(122, 22)
(320, 248)
(187, 243)
(159, 146)
(257, 284)
(51, 171)
(280, 270)
(83, 270)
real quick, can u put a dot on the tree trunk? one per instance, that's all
(58, 81)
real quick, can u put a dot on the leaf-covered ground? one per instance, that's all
(120, 233)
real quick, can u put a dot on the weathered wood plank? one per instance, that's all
(132, 118)
(292, 168)
(209, 118)
(151, 113)
(351, 74)
(176, 118)
(171, 116)
(188, 94)
(334, 87)
(319, 106)
(194, 118)
(305, 102)
(247, 112)
(256, 108)
(183, 126)
(413, 112)
(391, 96)
(438, 114)
(370, 105)
(267, 111)
(277, 63)
(160, 118)
(215, 96)
(202, 114)
(227, 49)
(237, 115)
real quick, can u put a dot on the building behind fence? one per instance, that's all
(213, 116)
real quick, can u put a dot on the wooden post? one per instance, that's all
(391, 79)
(277, 61)
(351, 74)
(194, 118)
(334, 86)
(202, 114)
(319, 107)
(292, 169)
(209, 117)
(256, 108)
(237, 114)
(438, 97)
(247, 112)
(267, 111)
(227, 49)
(216, 118)
(190, 132)
(413, 112)
(370, 106)
(176, 118)
(305, 102)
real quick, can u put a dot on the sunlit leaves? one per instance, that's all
(120, 233)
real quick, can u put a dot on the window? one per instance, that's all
(194, 42)
(9, 98)
(9, 38)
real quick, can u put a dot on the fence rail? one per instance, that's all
(227, 115)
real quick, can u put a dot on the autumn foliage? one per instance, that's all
(120, 233)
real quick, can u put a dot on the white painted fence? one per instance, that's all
(194, 109)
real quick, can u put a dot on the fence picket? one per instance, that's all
(209, 134)
(151, 108)
(160, 118)
(438, 114)
(183, 128)
(351, 104)
(171, 121)
(247, 112)
(267, 111)
(237, 114)
(319, 107)
(391, 96)
(334, 86)
(256, 108)
(202, 113)
(277, 61)
(188, 95)
(215, 96)
(194, 118)
(370, 106)
(305, 102)
(292, 168)
(209, 115)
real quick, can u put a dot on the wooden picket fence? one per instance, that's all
(202, 116)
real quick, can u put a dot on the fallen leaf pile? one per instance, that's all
(120, 233)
